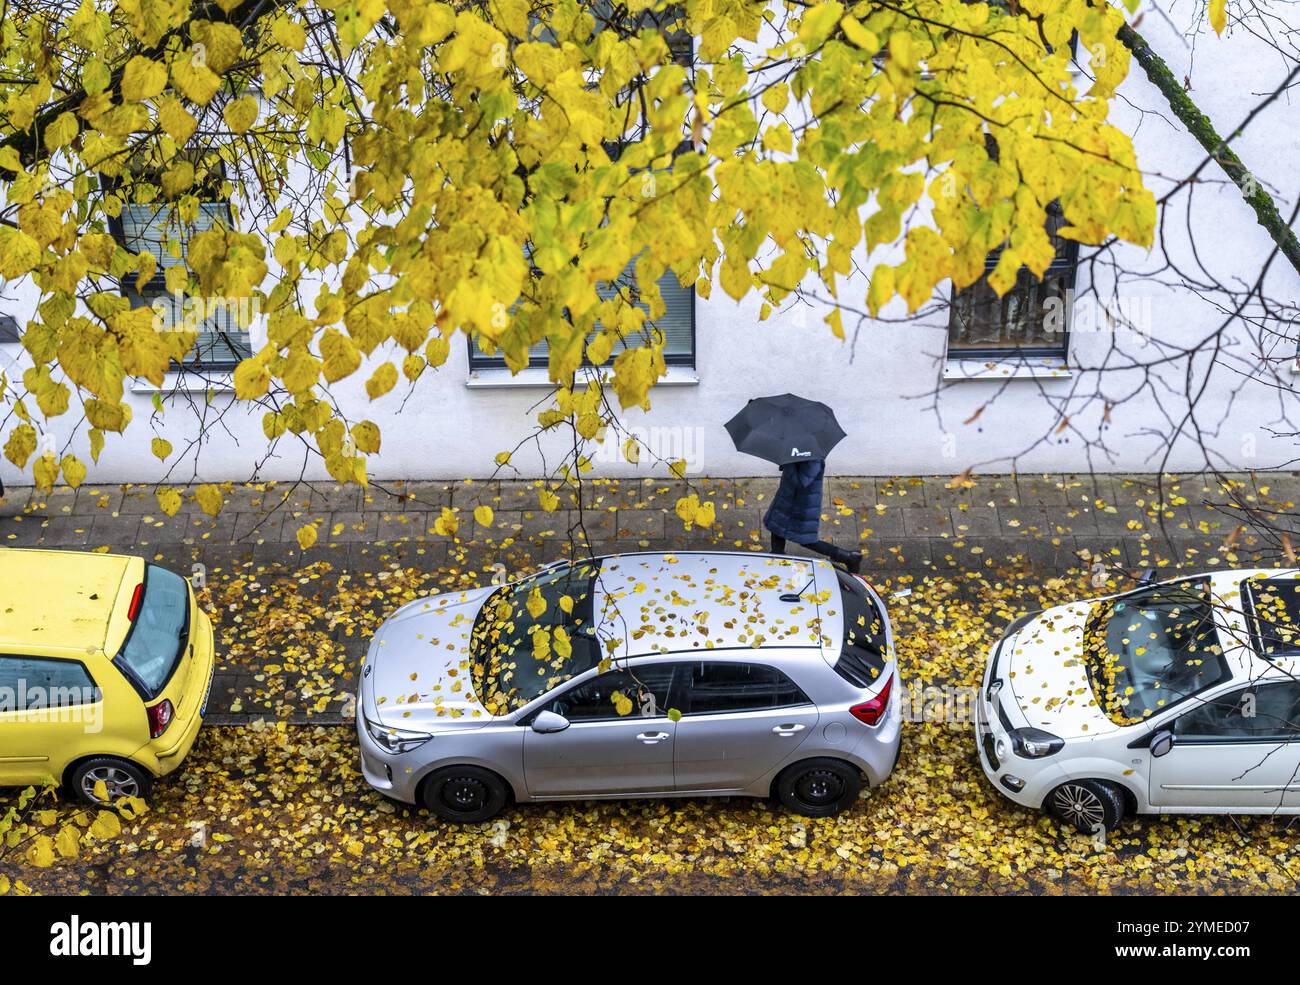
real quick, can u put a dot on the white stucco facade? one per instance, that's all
(899, 397)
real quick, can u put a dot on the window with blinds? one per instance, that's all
(982, 325)
(676, 326)
(155, 228)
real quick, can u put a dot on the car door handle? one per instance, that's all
(788, 730)
(650, 738)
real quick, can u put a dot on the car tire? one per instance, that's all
(1085, 804)
(122, 778)
(465, 794)
(818, 787)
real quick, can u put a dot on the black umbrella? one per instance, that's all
(785, 429)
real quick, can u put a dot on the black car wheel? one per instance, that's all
(819, 787)
(465, 794)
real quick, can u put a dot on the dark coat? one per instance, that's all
(796, 509)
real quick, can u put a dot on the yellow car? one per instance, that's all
(105, 668)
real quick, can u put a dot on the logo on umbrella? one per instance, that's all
(796, 453)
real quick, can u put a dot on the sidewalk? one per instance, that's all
(294, 624)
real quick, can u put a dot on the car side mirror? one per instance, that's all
(549, 721)
(1162, 742)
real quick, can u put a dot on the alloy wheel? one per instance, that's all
(117, 782)
(1080, 806)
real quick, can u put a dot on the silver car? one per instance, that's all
(635, 675)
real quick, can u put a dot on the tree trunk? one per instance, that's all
(1200, 127)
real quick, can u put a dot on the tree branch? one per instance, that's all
(1200, 127)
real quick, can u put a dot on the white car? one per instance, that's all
(1175, 698)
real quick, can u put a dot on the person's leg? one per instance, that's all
(778, 544)
(850, 559)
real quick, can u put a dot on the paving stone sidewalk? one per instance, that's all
(908, 527)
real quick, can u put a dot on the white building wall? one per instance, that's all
(886, 382)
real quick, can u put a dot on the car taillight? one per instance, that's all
(871, 712)
(136, 598)
(160, 716)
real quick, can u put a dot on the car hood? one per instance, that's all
(1043, 667)
(417, 671)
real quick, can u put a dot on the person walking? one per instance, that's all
(796, 512)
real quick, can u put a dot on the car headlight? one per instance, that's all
(396, 739)
(1034, 743)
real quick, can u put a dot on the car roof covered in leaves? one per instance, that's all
(702, 601)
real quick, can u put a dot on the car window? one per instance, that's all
(1272, 608)
(159, 631)
(641, 692)
(718, 686)
(862, 657)
(30, 683)
(1265, 712)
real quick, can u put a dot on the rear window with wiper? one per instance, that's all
(1272, 608)
(160, 628)
(862, 657)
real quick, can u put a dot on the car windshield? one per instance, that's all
(533, 635)
(1148, 650)
(158, 633)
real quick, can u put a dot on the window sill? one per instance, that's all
(956, 369)
(190, 381)
(537, 376)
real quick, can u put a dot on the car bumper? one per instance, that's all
(876, 754)
(1027, 782)
(392, 775)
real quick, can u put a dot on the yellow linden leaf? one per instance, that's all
(437, 350)
(45, 470)
(106, 825)
(74, 472)
(240, 114)
(381, 381)
(252, 379)
(566, 603)
(143, 78)
(548, 500)
(169, 500)
(191, 75)
(447, 524)
(306, 536)
(1218, 15)
(622, 703)
(209, 499)
(340, 355)
(535, 604)
(161, 448)
(483, 516)
(61, 132)
(599, 348)
(175, 119)
(68, 841)
(40, 852)
(289, 33)
(367, 437)
(704, 515)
